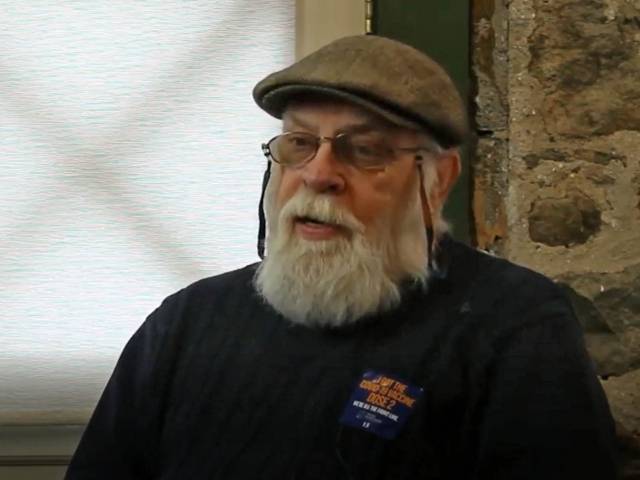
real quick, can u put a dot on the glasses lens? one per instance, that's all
(293, 148)
(366, 150)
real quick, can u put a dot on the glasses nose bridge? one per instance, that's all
(334, 141)
(320, 139)
(323, 139)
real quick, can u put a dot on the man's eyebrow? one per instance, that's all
(366, 126)
(361, 128)
(291, 118)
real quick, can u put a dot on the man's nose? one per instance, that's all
(324, 172)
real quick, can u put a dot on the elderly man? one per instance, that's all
(368, 343)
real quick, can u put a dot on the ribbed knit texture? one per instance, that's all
(216, 385)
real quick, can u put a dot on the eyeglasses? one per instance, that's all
(368, 151)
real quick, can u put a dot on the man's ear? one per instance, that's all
(447, 170)
(448, 167)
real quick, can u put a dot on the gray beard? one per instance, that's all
(339, 281)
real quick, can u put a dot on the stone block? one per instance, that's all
(623, 394)
(566, 155)
(564, 221)
(608, 307)
(490, 186)
(489, 60)
(586, 57)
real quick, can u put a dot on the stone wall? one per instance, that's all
(557, 170)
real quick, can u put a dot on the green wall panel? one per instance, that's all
(439, 28)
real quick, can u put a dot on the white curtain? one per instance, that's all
(130, 167)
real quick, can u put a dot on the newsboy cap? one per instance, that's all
(385, 76)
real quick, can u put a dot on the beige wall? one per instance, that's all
(32, 473)
(320, 22)
(36, 452)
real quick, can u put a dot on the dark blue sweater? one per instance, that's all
(216, 385)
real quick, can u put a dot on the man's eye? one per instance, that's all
(365, 150)
(370, 150)
(298, 141)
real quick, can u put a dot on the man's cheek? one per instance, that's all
(290, 179)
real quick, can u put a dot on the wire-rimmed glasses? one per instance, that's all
(368, 151)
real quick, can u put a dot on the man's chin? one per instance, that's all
(330, 282)
(328, 249)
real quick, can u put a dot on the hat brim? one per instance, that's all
(275, 102)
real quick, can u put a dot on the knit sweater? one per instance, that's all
(483, 375)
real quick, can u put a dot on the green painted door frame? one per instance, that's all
(440, 28)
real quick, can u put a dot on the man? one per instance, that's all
(368, 343)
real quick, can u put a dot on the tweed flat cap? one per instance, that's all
(385, 76)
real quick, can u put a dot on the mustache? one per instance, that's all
(306, 204)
